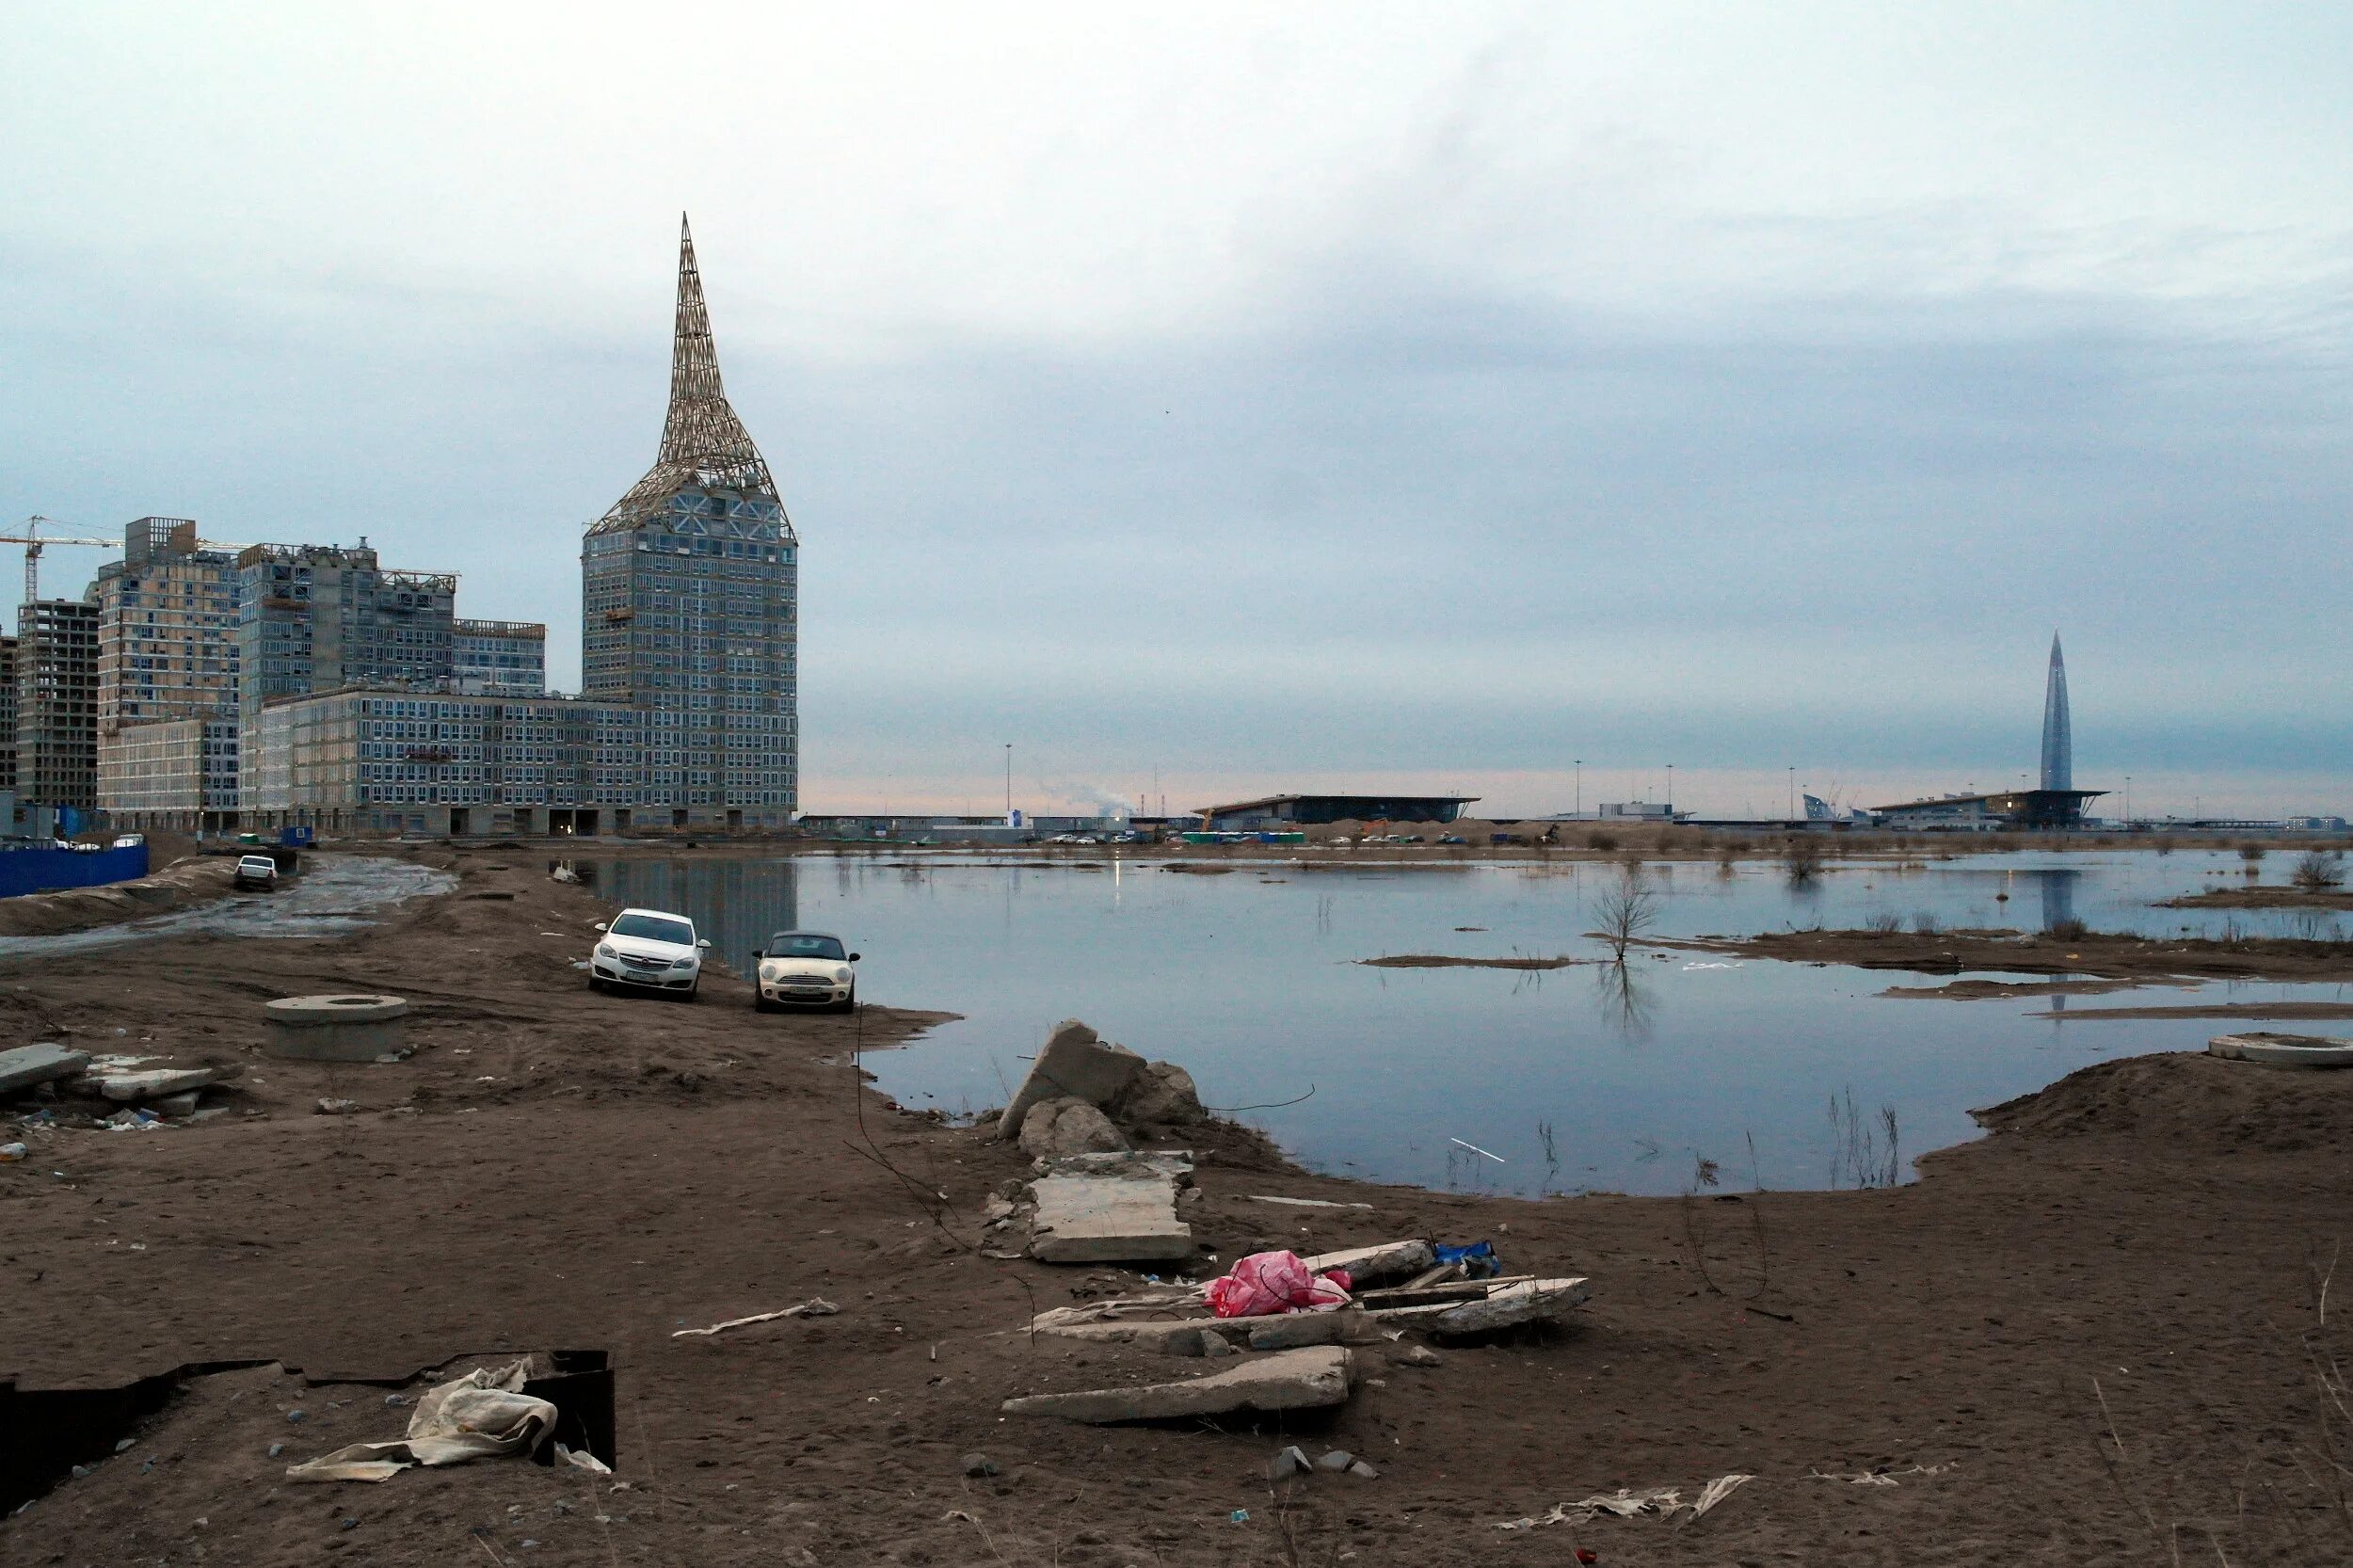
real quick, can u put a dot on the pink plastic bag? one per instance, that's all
(1266, 1283)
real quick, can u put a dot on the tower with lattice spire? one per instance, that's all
(690, 605)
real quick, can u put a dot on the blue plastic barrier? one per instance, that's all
(42, 871)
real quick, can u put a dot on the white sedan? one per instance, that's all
(650, 949)
(255, 870)
(809, 968)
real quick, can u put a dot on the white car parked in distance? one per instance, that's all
(810, 968)
(651, 949)
(255, 870)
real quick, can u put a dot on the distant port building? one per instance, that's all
(1282, 812)
(2011, 810)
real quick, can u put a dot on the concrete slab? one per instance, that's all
(1289, 1380)
(138, 1088)
(1084, 1218)
(1528, 1301)
(29, 1066)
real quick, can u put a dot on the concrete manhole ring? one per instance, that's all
(348, 1008)
(2283, 1050)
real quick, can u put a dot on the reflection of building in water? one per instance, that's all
(736, 905)
(2058, 896)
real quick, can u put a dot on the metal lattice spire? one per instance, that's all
(703, 442)
(2058, 739)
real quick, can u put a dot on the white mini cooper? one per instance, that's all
(808, 968)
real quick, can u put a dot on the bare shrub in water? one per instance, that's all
(1802, 858)
(1886, 922)
(1926, 923)
(2319, 869)
(1624, 910)
(2069, 930)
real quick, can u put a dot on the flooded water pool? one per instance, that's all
(333, 895)
(1580, 1079)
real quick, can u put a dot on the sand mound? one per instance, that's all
(2189, 1100)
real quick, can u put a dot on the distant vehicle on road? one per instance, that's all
(806, 968)
(652, 949)
(130, 841)
(255, 870)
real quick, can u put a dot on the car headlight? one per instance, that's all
(841, 973)
(605, 949)
(686, 963)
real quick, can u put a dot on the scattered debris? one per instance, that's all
(480, 1416)
(1623, 1504)
(1306, 1203)
(816, 1306)
(979, 1465)
(338, 1108)
(1290, 1461)
(1287, 1380)
(10, 1153)
(580, 1459)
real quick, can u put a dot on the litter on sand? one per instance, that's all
(1275, 1282)
(483, 1415)
(1659, 1500)
(816, 1306)
(580, 1459)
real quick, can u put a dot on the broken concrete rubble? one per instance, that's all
(29, 1066)
(1066, 1126)
(1074, 1063)
(1077, 1063)
(1161, 1094)
(1383, 1261)
(1290, 1380)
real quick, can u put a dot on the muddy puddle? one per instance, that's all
(333, 896)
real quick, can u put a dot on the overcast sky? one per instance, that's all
(1265, 397)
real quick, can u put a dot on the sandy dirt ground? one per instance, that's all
(2104, 1334)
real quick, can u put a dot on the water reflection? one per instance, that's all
(1625, 1000)
(2057, 887)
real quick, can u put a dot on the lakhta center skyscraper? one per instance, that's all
(2058, 740)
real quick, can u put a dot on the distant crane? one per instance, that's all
(32, 543)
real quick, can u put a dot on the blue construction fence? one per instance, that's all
(43, 871)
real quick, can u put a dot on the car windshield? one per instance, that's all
(801, 944)
(655, 928)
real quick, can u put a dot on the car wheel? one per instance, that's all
(761, 1005)
(848, 1004)
(693, 989)
(596, 983)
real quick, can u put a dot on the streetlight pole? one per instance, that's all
(1008, 783)
(1580, 786)
(1793, 794)
(1671, 792)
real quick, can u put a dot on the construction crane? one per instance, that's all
(32, 543)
